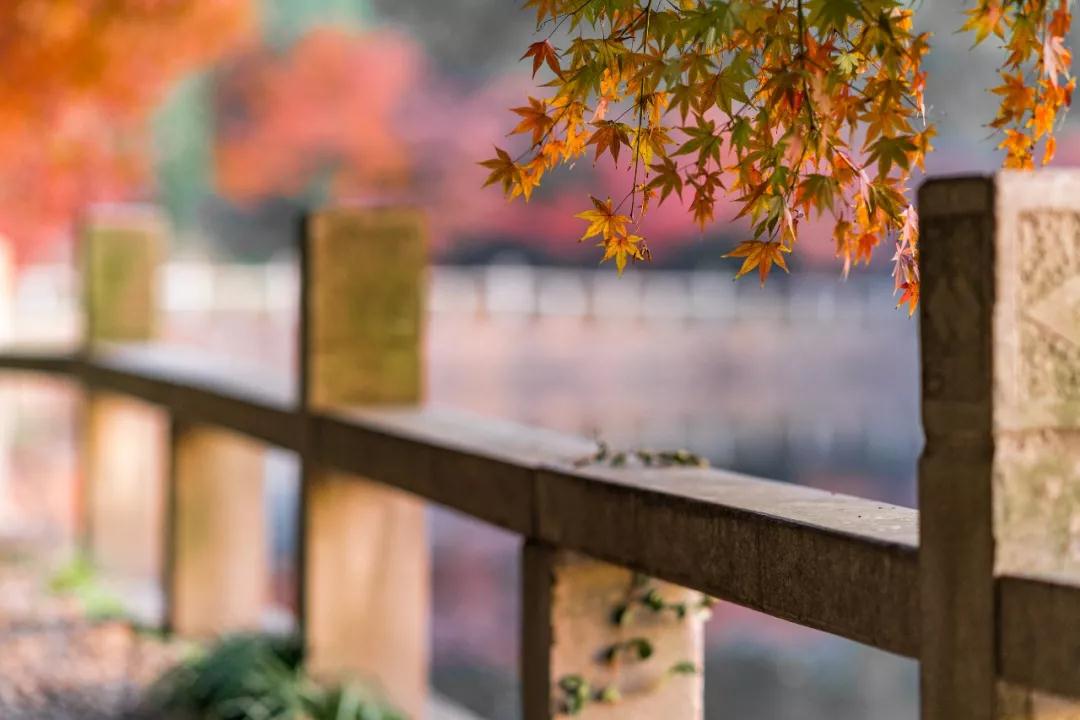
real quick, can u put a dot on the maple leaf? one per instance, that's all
(1056, 58)
(1042, 120)
(1017, 147)
(544, 9)
(505, 171)
(761, 255)
(622, 247)
(1049, 150)
(985, 19)
(889, 151)
(609, 136)
(534, 119)
(1016, 94)
(703, 140)
(765, 100)
(833, 14)
(910, 296)
(543, 52)
(603, 220)
(667, 179)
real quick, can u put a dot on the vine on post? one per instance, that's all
(643, 598)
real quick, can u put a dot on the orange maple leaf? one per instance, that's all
(543, 52)
(507, 172)
(534, 119)
(610, 136)
(910, 296)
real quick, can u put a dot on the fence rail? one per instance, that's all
(845, 565)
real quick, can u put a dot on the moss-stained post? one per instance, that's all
(124, 442)
(121, 250)
(999, 486)
(366, 561)
(599, 641)
(219, 561)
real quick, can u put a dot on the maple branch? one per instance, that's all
(565, 17)
(640, 115)
(802, 60)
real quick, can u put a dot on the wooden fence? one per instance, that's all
(976, 585)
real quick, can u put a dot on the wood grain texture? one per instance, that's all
(364, 558)
(538, 563)
(220, 563)
(198, 392)
(125, 462)
(1039, 641)
(368, 579)
(828, 561)
(956, 553)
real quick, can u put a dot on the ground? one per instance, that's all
(56, 664)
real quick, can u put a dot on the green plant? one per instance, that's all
(256, 677)
(79, 579)
(574, 691)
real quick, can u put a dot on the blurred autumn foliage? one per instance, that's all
(797, 110)
(80, 78)
(321, 114)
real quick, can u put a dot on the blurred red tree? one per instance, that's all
(322, 114)
(80, 78)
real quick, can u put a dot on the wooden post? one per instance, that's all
(999, 485)
(638, 645)
(121, 250)
(127, 446)
(219, 565)
(124, 442)
(365, 557)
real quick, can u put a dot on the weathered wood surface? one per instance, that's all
(368, 587)
(378, 443)
(366, 591)
(363, 280)
(956, 554)
(832, 562)
(1039, 635)
(1036, 367)
(219, 570)
(197, 391)
(121, 250)
(1000, 475)
(998, 576)
(125, 455)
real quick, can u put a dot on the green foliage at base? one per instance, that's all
(254, 677)
(79, 579)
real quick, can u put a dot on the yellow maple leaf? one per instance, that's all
(985, 19)
(603, 221)
(761, 255)
(622, 248)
